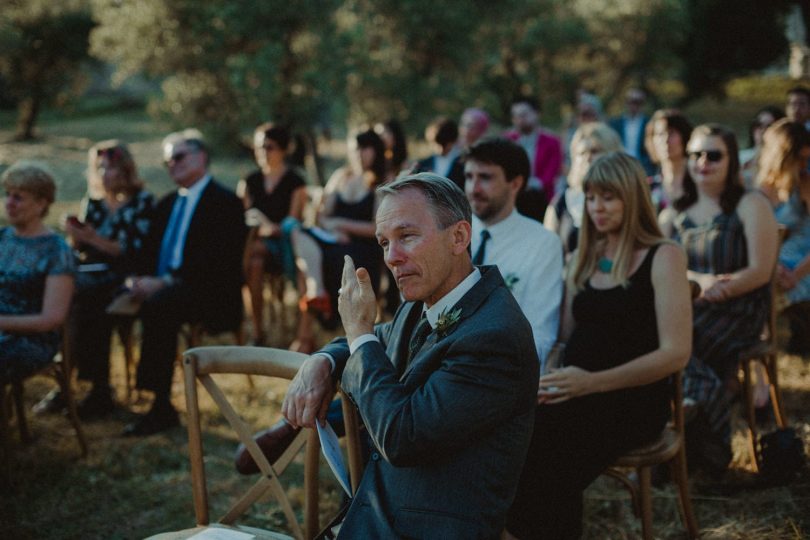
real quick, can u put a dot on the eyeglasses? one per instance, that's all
(711, 155)
(176, 158)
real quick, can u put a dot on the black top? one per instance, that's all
(275, 205)
(614, 326)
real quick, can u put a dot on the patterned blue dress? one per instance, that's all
(794, 216)
(25, 264)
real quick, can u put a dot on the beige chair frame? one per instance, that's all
(200, 364)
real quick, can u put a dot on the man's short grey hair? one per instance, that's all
(448, 203)
(190, 136)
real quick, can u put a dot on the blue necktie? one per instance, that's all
(171, 235)
(478, 259)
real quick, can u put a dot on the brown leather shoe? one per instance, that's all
(273, 441)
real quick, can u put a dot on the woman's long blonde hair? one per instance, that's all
(621, 175)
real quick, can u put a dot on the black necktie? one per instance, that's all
(420, 334)
(478, 259)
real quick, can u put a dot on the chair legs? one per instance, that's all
(19, 406)
(63, 377)
(770, 363)
(645, 503)
(679, 475)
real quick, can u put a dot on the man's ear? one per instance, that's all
(517, 183)
(462, 235)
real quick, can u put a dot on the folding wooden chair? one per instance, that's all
(60, 369)
(202, 364)
(668, 448)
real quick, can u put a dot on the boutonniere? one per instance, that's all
(446, 321)
(511, 280)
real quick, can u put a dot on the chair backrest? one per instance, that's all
(200, 364)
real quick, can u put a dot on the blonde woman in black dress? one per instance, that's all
(628, 326)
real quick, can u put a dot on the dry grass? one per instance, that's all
(131, 488)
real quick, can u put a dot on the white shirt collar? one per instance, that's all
(451, 299)
(196, 189)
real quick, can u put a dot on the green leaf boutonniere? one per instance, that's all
(511, 280)
(446, 321)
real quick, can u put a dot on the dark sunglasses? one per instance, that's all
(712, 155)
(270, 147)
(110, 153)
(176, 158)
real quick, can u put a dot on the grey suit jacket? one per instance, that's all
(452, 432)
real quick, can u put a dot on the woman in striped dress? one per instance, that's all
(730, 238)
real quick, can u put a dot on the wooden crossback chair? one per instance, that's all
(764, 351)
(668, 448)
(60, 369)
(202, 364)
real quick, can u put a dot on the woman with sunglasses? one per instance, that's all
(749, 158)
(730, 237)
(106, 237)
(271, 194)
(784, 179)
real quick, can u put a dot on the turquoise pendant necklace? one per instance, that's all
(605, 265)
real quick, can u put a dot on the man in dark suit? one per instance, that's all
(446, 389)
(631, 127)
(190, 268)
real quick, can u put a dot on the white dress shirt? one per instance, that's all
(529, 257)
(192, 195)
(443, 164)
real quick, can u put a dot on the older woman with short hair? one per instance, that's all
(564, 214)
(36, 274)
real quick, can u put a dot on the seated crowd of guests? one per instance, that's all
(645, 205)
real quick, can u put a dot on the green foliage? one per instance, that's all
(730, 37)
(229, 64)
(42, 44)
(225, 64)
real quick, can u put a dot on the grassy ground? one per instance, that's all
(131, 488)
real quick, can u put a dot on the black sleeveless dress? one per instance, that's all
(364, 251)
(575, 441)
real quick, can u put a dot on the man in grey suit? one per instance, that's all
(446, 389)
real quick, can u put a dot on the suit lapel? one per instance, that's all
(469, 304)
(402, 331)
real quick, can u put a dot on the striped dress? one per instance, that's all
(721, 330)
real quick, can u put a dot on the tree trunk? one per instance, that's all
(27, 113)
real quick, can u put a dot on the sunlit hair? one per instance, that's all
(780, 161)
(192, 137)
(597, 133)
(733, 189)
(32, 177)
(622, 176)
(448, 203)
(600, 133)
(118, 154)
(278, 134)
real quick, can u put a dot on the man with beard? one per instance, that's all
(528, 255)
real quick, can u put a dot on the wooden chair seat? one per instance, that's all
(658, 451)
(188, 533)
